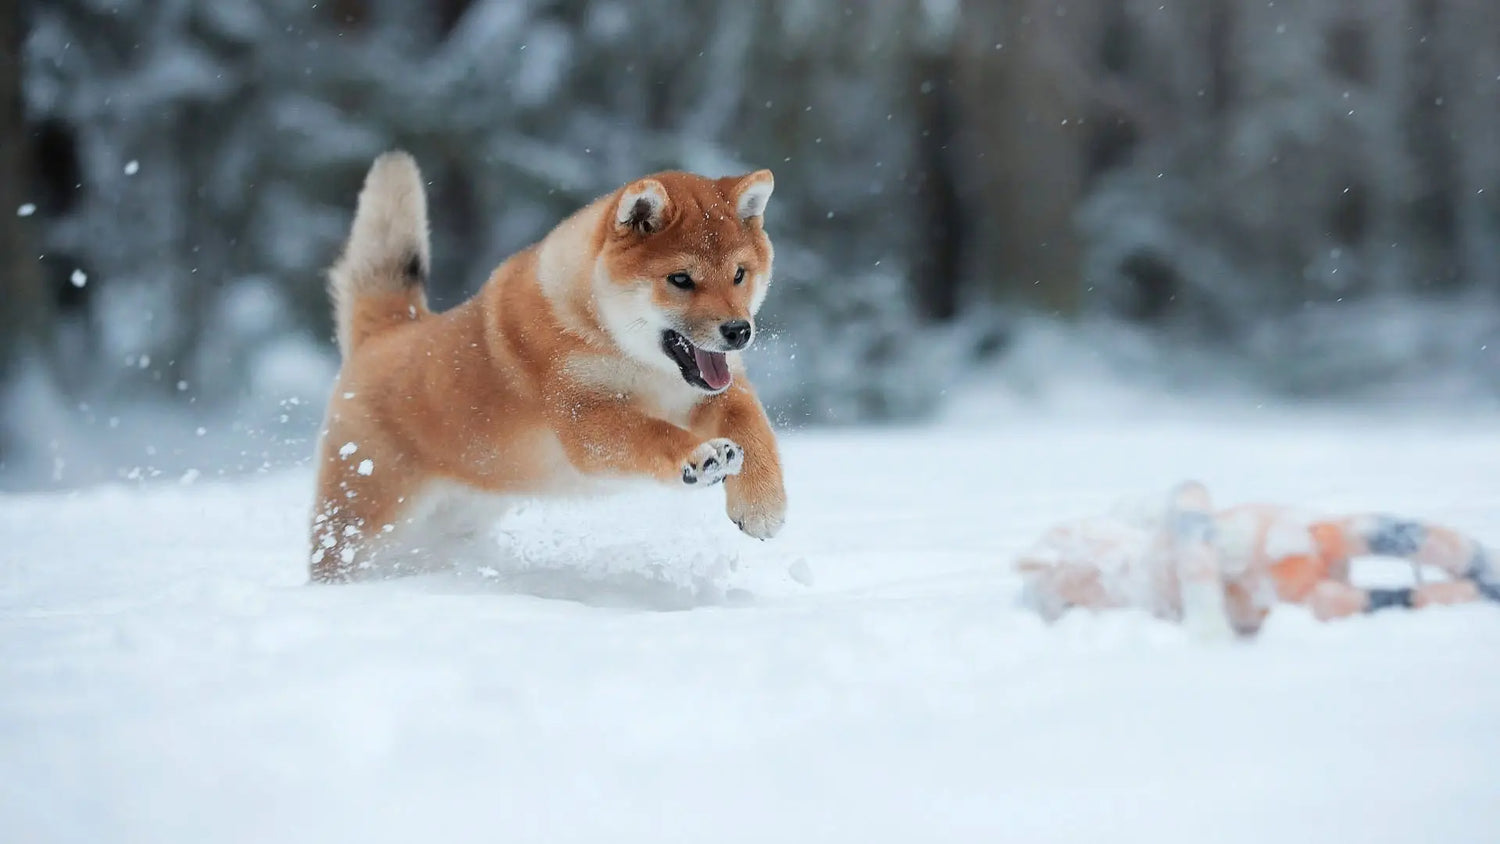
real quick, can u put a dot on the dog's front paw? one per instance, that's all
(762, 519)
(712, 462)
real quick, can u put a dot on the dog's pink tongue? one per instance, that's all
(714, 367)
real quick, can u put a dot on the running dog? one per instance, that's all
(610, 349)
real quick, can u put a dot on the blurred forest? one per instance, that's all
(1301, 195)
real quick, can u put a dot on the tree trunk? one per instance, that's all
(1026, 162)
(25, 313)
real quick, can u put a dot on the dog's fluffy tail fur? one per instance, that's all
(380, 279)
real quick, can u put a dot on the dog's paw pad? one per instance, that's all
(712, 462)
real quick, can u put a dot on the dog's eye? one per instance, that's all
(739, 275)
(680, 280)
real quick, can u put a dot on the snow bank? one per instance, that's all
(166, 675)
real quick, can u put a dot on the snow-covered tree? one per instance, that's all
(1241, 177)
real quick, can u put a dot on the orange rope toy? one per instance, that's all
(1221, 571)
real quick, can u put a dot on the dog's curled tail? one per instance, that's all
(379, 281)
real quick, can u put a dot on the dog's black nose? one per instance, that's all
(737, 332)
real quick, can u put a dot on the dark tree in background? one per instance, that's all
(1305, 194)
(24, 306)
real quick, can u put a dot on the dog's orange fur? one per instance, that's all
(535, 386)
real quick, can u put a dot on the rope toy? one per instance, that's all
(1220, 572)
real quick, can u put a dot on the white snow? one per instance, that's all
(366, 467)
(347, 449)
(132, 167)
(167, 676)
(26, 209)
(79, 278)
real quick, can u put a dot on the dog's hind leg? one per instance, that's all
(360, 503)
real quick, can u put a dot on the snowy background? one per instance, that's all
(1032, 257)
(1297, 199)
(635, 670)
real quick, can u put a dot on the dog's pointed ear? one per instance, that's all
(643, 207)
(752, 192)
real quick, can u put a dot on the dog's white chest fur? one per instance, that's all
(659, 394)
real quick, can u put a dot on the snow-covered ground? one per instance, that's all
(634, 670)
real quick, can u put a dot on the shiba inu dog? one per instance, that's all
(610, 349)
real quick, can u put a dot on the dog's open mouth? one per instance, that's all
(701, 368)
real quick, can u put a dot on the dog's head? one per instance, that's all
(683, 271)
